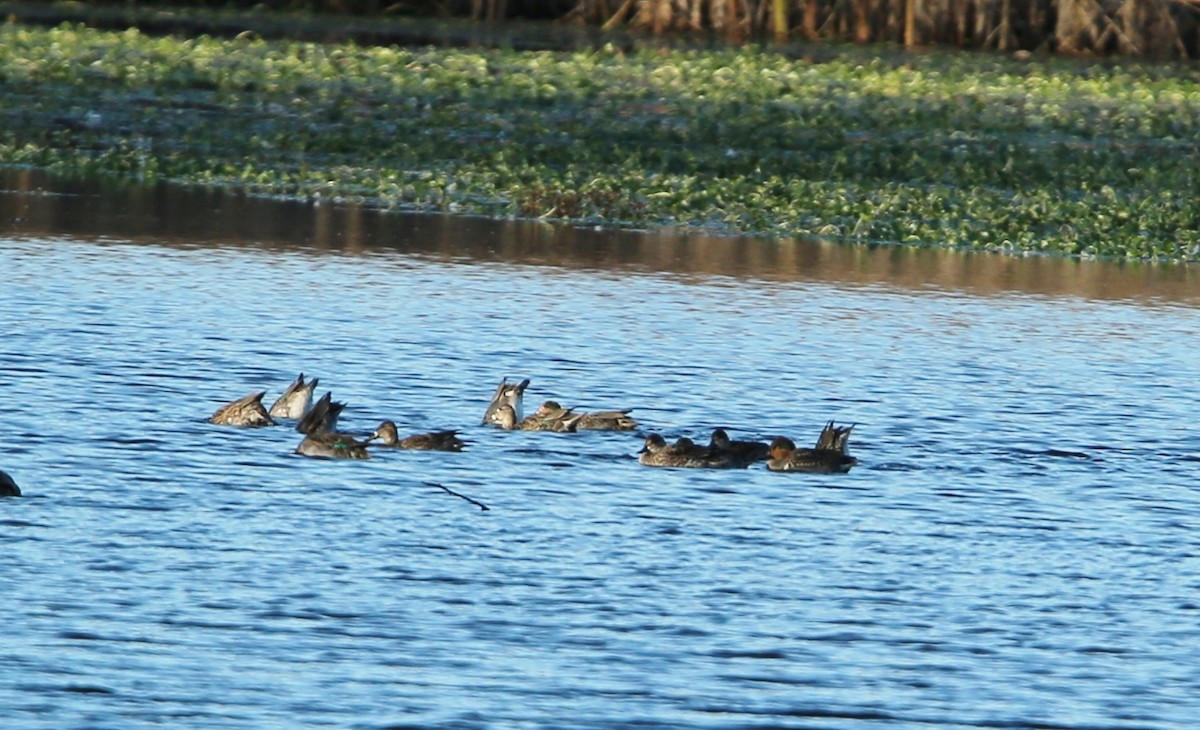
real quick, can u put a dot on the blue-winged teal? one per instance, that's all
(8, 486)
(834, 437)
(387, 435)
(321, 438)
(827, 457)
(247, 411)
(744, 452)
(550, 416)
(296, 399)
(322, 417)
(329, 445)
(507, 394)
(683, 454)
(607, 421)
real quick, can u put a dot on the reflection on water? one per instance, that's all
(1017, 548)
(167, 214)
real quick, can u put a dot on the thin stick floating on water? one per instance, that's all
(478, 504)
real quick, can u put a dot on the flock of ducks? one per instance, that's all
(318, 422)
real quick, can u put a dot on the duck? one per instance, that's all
(332, 445)
(607, 421)
(505, 417)
(8, 485)
(247, 411)
(683, 454)
(510, 394)
(834, 437)
(321, 437)
(550, 416)
(322, 417)
(296, 400)
(746, 452)
(827, 457)
(387, 435)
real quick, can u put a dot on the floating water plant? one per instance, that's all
(935, 150)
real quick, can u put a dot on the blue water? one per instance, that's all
(1019, 547)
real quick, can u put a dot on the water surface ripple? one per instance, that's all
(1018, 548)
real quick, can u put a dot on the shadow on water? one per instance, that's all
(32, 203)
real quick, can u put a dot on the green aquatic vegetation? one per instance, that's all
(939, 150)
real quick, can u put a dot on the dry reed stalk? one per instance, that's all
(810, 18)
(910, 23)
(489, 9)
(1134, 27)
(617, 17)
(740, 15)
(655, 14)
(1150, 29)
(861, 16)
(779, 20)
(1084, 26)
(719, 12)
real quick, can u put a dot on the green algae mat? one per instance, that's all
(951, 150)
